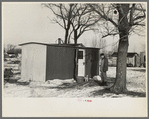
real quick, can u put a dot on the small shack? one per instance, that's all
(132, 58)
(42, 62)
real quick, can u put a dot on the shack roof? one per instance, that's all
(129, 54)
(80, 46)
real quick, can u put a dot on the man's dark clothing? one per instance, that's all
(104, 68)
(104, 64)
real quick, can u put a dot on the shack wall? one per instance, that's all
(131, 60)
(92, 62)
(39, 64)
(60, 63)
(33, 62)
(142, 57)
(27, 63)
(137, 61)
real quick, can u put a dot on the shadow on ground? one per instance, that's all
(74, 85)
(64, 86)
(67, 85)
(112, 95)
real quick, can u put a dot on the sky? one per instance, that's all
(29, 22)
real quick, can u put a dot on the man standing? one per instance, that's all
(103, 68)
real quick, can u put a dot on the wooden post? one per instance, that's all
(76, 64)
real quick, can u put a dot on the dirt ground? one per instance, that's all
(136, 85)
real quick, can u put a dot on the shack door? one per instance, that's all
(81, 62)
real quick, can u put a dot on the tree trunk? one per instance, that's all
(75, 41)
(76, 64)
(120, 83)
(76, 57)
(68, 24)
(75, 37)
(66, 36)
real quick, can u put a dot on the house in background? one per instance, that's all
(133, 59)
(42, 62)
(14, 52)
(11, 54)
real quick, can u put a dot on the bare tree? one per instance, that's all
(74, 18)
(13, 49)
(123, 19)
(99, 43)
(63, 13)
(115, 48)
(10, 47)
(83, 21)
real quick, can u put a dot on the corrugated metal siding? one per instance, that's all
(60, 63)
(33, 62)
(39, 62)
(27, 62)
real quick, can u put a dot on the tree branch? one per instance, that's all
(131, 14)
(110, 34)
(139, 17)
(62, 16)
(59, 23)
(103, 16)
(139, 24)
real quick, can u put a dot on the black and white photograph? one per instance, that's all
(83, 55)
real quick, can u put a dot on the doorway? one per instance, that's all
(81, 62)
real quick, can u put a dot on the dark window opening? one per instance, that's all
(80, 55)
